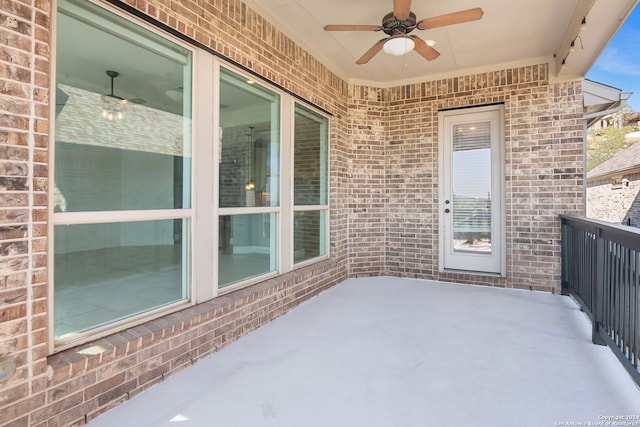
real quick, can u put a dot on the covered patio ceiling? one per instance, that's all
(510, 33)
(401, 352)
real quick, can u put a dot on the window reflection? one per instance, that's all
(108, 272)
(122, 143)
(250, 126)
(247, 247)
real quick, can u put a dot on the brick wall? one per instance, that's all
(367, 204)
(384, 178)
(24, 65)
(75, 385)
(618, 205)
(544, 175)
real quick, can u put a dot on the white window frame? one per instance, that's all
(96, 217)
(499, 218)
(220, 212)
(204, 213)
(325, 209)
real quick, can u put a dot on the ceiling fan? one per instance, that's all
(112, 75)
(399, 23)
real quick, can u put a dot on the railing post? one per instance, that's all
(597, 290)
(564, 258)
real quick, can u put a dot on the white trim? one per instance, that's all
(51, 177)
(287, 178)
(98, 217)
(248, 211)
(301, 208)
(458, 73)
(205, 176)
(476, 263)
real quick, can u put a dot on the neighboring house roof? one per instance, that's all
(624, 161)
(601, 100)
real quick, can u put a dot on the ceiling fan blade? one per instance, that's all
(424, 49)
(451, 19)
(371, 52)
(401, 9)
(352, 28)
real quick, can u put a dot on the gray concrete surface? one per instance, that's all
(400, 352)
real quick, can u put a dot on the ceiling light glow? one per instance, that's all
(398, 46)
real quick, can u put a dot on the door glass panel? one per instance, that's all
(471, 204)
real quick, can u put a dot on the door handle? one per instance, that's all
(447, 210)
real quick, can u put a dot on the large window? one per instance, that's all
(311, 185)
(159, 200)
(249, 195)
(122, 181)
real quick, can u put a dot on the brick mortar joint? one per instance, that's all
(135, 336)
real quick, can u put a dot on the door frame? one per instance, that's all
(499, 176)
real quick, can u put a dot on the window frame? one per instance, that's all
(203, 215)
(120, 216)
(231, 211)
(325, 209)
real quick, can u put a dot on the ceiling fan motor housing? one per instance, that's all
(393, 26)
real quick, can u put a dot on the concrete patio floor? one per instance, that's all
(399, 352)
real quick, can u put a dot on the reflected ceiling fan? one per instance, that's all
(399, 23)
(112, 75)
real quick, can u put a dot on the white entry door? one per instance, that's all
(472, 190)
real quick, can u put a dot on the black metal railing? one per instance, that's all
(601, 270)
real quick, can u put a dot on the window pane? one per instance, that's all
(310, 161)
(247, 247)
(123, 115)
(108, 272)
(309, 235)
(250, 157)
(471, 179)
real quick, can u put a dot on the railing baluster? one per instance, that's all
(597, 291)
(636, 310)
(633, 307)
(601, 270)
(626, 338)
(627, 302)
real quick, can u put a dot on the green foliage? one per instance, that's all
(602, 144)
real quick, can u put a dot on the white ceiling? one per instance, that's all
(511, 33)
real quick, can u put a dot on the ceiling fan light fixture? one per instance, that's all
(399, 45)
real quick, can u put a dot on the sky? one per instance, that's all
(619, 64)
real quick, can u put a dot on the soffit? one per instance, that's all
(511, 33)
